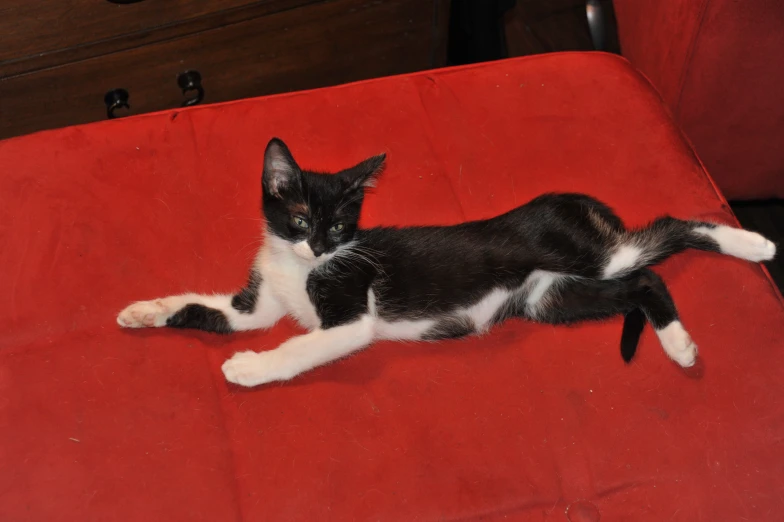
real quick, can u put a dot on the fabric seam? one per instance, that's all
(689, 58)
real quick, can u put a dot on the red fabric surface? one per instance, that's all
(530, 422)
(719, 65)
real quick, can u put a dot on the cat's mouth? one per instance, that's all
(303, 251)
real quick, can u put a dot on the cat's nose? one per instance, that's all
(317, 249)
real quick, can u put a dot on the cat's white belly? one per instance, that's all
(534, 292)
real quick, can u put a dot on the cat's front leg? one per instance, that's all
(254, 307)
(299, 354)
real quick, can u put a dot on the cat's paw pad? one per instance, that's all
(678, 345)
(144, 314)
(249, 368)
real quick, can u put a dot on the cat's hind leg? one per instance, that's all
(582, 299)
(254, 307)
(651, 295)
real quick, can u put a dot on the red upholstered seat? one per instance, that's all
(99, 423)
(718, 65)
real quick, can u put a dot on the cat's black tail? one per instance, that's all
(633, 324)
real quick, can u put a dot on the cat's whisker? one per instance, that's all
(255, 242)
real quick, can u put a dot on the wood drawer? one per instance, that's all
(323, 44)
(45, 33)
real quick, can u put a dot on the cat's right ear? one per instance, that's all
(281, 172)
(364, 174)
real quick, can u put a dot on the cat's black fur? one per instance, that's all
(200, 317)
(462, 263)
(421, 272)
(245, 301)
(633, 325)
(432, 272)
(408, 267)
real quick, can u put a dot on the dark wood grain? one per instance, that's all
(322, 44)
(41, 34)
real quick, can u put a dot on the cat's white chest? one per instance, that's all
(287, 277)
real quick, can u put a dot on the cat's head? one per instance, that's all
(315, 214)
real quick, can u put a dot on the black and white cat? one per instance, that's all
(558, 259)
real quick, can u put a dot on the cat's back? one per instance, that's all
(464, 242)
(436, 267)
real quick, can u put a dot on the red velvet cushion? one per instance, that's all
(719, 66)
(99, 423)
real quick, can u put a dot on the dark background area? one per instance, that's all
(493, 29)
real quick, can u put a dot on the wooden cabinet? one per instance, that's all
(59, 58)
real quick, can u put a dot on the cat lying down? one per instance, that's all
(559, 259)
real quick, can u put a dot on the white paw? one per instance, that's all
(251, 368)
(145, 314)
(749, 245)
(741, 243)
(677, 344)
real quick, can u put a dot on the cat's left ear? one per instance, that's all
(364, 174)
(281, 172)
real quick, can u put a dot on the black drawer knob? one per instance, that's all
(190, 82)
(116, 99)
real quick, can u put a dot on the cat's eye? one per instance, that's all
(300, 222)
(337, 227)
